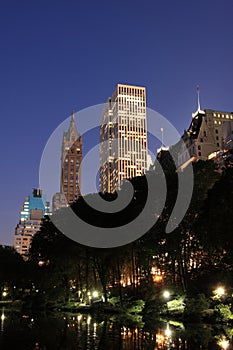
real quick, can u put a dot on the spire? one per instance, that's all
(72, 132)
(72, 116)
(161, 129)
(199, 111)
(198, 98)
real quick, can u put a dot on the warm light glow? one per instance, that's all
(157, 278)
(219, 291)
(89, 320)
(3, 317)
(95, 294)
(224, 344)
(4, 294)
(157, 274)
(166, 294)
(168, 331)
(159, 339)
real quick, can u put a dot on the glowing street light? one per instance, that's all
(4, 294)
(219, 292)
(166, 294)
(224, 344)
(95, 294)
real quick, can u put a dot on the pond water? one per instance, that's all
(89, 332)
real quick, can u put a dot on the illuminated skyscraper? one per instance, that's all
(33, 210)
(123, 137)
(71, 162)
(71, 158)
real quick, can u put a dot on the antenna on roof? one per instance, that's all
(198, 98)
(161, 129)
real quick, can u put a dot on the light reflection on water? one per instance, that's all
(86, 332)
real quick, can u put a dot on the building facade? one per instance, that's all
(71, 159)
(123, 137)
(33, 210)
(59, 201)
(209, 133)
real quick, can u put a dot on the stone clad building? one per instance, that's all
(209, 133)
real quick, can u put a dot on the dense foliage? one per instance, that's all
(192, 259)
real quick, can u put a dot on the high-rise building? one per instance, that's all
(33, 210)
(71, 158)
(71, 162)
(209, 133)
(123, 137)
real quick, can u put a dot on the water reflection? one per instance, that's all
(2, 319)
(89, 332)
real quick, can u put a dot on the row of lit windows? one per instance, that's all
(72, 189)
(72, 164)
(227, 116)
(129, 98)
(72, 161)
(132, 91)
(70, 181)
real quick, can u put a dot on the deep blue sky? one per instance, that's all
(59, 55)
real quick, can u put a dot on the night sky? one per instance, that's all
(62, 55)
